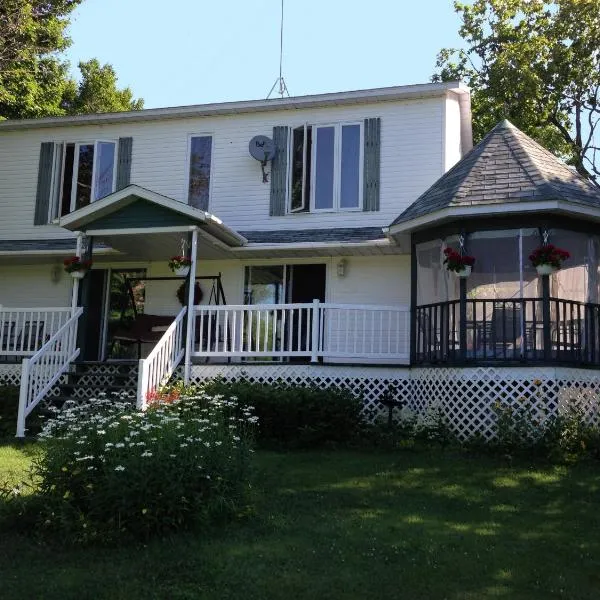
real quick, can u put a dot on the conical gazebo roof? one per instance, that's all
(506, 168)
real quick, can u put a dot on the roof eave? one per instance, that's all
(491, 210)
(246, 106)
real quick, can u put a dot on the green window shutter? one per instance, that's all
(371, 164)
(44, 184)
(124, 162)
(279, 172)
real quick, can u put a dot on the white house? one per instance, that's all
(320, 263)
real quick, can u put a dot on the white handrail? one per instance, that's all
(158, 366)
(24, 330)
(40, 372)
(316, 329)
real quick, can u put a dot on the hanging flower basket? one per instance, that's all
(180, 265)
(198, 294)
(460, 264)
(547, 259)
(76, 267)
(464, 272)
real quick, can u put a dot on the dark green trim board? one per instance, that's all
(44, 184)
(138, 214)
(124, 162)
(279, 172)
(372, 158)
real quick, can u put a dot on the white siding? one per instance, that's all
(372, 280)
(452, 133)
(411, 160)
(31, 286)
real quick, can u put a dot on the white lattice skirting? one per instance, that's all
(10, 374)
(466, 397)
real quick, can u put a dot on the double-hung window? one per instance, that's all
(200, 159)
(325, 171)
(84, 173)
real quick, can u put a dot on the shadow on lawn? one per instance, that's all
(442, 525)
(361, 525)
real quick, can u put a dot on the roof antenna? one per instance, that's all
(282, 91)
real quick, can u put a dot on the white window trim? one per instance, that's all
(337, 160)
(188, 165)
(290, 169)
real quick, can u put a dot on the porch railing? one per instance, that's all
(158, 366)
(311, 330)
(23, 331)
(523, 329)
(40, 372)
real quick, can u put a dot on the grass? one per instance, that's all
(350, 525)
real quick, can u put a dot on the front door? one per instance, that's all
(306, 283)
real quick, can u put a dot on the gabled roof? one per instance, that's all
(506, 172)
(137, 208)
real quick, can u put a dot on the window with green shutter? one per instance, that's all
(332, 167)
(74, 174)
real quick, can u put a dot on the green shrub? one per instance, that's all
(295, 416)
(108, 470)
(9, 404)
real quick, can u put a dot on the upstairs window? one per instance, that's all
(325, 168)
(84, 173)
(71, 175)
(199, 175)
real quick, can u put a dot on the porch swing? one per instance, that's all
(148, 328)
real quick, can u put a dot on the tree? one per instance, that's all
(34, 80)
(536, 63)
(97, 92)
(32, 77)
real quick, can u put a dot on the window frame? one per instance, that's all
(337, 169)
(58, 174)
(188, 166)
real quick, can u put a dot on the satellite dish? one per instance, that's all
(262, 148)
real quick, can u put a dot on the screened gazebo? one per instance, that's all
(502, 201)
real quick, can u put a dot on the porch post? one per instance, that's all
(190, 321)
(84, 288)
(413, 301)
(546, 316)
(75, 287)
(463, 319)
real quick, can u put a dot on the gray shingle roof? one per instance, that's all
(68, 245)
(507, 166)
(291, 236)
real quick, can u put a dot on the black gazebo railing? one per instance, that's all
(527, 330)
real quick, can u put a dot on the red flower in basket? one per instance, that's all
(179, 262)
(457, 262)
(74, 264)
(548, 255)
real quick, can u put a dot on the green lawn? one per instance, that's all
(352, 525)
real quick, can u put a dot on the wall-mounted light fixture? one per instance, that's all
(342, 267)
(56, 273)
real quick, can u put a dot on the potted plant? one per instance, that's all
(180, 265)
(76, 267)
(548, 258)
(460, 264)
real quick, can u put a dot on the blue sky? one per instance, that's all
(195, 51)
